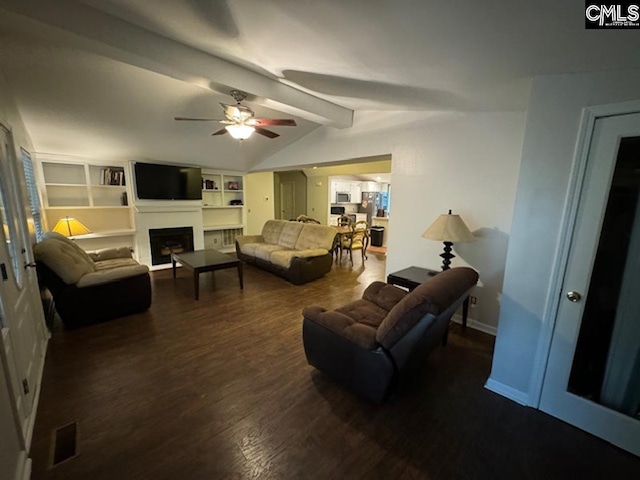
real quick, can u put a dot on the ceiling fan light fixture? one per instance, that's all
(240, 132)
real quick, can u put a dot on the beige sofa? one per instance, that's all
(299, 252)
(88, 287)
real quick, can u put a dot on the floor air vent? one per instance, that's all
(65, 441)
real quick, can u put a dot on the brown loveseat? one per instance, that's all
(89, 287)
(299, 252)
(367, 345)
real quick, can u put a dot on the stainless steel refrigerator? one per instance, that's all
(372, 202)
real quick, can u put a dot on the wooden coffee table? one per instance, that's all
(205, 261)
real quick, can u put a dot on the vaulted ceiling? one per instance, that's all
(104, 78)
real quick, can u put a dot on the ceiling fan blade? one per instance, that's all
(222, 131)
(190, 119)
(266, 133)
(280, 122)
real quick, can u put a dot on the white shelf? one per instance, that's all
(108, 186)
(103, 234)
(83, 185)
(87, 207)
(214, 228)
(231, 191)
(222, 206)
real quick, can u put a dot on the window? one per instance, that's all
(34, 200)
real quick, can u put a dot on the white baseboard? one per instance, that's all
(471, 323)
(509, 392)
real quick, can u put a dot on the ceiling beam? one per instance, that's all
(92, 30)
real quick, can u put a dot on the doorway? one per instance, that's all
(592, 378)
(287, 200)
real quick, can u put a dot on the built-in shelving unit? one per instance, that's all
(93, 192)
(99, 195)
(222, 209)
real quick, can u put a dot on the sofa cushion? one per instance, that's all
(111, 275)
(384, 295)
(344, 325)
(249, 248)
(364, 312)
(315, 236)
(61, 238)
(272, 230)
(110, 253)
(63, 257)
(115, 263)
(433, 296)
(290, 233)
(264, 251)
(283, 258)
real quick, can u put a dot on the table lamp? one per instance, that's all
(448, 229)
(70, 227)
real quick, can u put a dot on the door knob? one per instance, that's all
(574, 296)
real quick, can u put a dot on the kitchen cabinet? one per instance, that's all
(356, 192)
(352, 188)
(370, 186)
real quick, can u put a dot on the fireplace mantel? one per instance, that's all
(166, 215)
(167, 208)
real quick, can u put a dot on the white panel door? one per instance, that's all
(590, 380)
(21, 317)
(287, 200)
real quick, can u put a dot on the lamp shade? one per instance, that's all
(70, 227)
(240, 132)
(449, 228)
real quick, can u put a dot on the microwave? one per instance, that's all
(343, 197)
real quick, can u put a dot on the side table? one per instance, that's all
(413, 276)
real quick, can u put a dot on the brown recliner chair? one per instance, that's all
(368, 344)
(91, 287)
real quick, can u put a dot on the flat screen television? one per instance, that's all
(167, 182)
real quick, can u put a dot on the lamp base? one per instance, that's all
(447, 255)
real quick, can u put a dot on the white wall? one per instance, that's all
(318, 198)
(467, 162)
(553, 118)
(259, 201)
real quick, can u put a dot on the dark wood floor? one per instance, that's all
(219, 388)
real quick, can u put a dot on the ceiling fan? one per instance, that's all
(241, 122)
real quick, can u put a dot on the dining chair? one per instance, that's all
(345, 230)
(357, 240)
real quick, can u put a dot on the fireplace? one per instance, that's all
(165, 241)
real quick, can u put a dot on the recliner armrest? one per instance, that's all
(242, 239)
(110, 253)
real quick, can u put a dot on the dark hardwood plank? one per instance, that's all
(220, 388)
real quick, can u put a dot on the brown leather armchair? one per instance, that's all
(367, 345)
